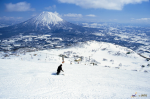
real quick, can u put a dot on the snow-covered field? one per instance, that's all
(117, 73)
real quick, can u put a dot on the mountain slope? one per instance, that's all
(100, 53)
(29, 80)
(47, 18)
(46, 22)
(32, 74)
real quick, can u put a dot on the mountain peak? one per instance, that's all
(47, 18)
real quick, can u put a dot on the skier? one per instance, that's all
(59, 69)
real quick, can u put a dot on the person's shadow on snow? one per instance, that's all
(54, 73)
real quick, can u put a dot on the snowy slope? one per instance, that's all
(30, 75)
(46, 19)
(100, 53)
(31, 80)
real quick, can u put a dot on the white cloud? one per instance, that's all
(10, 18)
(73, 15)
(58, 14)
(21, 6)
(144, 19)
(50, 7)
(91, 15)
(105, 4)
(141, 20)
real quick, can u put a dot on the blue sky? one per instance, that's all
(122, 11)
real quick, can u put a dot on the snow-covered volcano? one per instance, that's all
(45, 22)
(46, 19)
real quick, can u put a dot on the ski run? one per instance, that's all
(92, 70)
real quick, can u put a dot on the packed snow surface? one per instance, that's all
(105, 71)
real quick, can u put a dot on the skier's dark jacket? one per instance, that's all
(59, 69)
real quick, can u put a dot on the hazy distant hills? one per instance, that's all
(6, 23)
